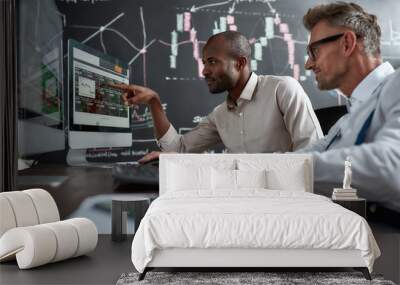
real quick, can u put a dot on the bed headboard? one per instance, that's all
(287, 167)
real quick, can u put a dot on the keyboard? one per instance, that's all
(136, 173)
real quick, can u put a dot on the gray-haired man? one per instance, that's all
(344, 53)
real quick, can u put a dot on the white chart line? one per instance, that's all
(124, 37)
(194, 8)
(143, 51)
(101, 29)
(111, 30)
(180, 43)
(140, 52)
(232, 8)
(270, 7)
(143, 27)
(102, 43)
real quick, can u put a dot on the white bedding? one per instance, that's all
(251, 218)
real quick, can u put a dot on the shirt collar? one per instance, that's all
(247, 92)
(367, 86)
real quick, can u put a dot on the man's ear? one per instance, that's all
(241, 62)
(349, 42)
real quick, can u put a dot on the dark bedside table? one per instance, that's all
(119, 214)
(358, 206)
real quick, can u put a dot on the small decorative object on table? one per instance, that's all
(347, 192)
(347, 196)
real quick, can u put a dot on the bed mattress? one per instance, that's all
(250, 219)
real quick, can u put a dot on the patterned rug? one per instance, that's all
(243, 278)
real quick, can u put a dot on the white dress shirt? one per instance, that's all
(272, 114)
(376, 162)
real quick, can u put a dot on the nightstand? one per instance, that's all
(358, 206)
(120, 207)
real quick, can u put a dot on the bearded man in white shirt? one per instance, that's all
(344, 53)
(260, 114)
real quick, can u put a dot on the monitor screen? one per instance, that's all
(40, 79)
(96, 110)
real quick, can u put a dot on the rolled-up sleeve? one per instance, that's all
(168, 142)
(200, 138)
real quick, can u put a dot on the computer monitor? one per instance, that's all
(97, 115)
(40, 78)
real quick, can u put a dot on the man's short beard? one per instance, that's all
(218, 89)
(223, 85)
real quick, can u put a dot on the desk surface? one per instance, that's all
(80, 183)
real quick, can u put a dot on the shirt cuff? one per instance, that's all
(168, 138)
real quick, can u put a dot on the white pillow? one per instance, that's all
(223, 179)
(186, 177)
(251, 178)
(193, 174)
(285, 174)
(291, 181)
(235, 179)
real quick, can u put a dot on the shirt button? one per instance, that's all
(241, 132)
(240, 114)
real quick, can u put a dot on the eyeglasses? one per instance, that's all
(312, 48)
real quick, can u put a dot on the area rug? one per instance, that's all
(243, 278)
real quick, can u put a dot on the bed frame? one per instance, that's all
(242, 259)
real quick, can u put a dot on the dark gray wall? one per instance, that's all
(131, 25)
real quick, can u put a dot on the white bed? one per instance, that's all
(242, 210)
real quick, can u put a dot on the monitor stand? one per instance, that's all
(77, 157)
